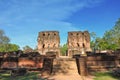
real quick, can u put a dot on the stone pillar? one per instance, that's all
(47, 65)
(83, 52)
(1, 59)
(82, 65)
(116, 62)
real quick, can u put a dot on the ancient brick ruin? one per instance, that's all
(77, 41)
(48, 42)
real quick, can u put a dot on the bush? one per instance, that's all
(105, 76)
(116, 73)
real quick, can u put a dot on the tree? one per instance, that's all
(63, 49)
(3, 38)
(93, 41)
(112, 37)
(35, 49)
(27, 49)
(5, 46)
(8, 47)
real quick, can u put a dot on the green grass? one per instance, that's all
(105, 76)
(34, 76)
(28, 76)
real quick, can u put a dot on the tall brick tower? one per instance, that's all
(48, 42)
(77, 41)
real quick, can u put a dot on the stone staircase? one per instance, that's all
(65, 66)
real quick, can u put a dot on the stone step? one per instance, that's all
(65, 66)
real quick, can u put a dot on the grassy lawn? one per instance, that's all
(105, 76)
(28, 76)
(34, 76)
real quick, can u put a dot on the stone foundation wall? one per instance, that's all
(102, 63)
(95, 63)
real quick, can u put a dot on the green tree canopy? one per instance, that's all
(110, 39)
(112, 36)
(3, 38)
(5, 46)
(63, 49)
(27, 49)
(93, 41)
(8, 47)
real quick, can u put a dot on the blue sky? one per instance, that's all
(23, 19)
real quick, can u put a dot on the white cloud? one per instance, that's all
(43, 9)
(28, 17)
